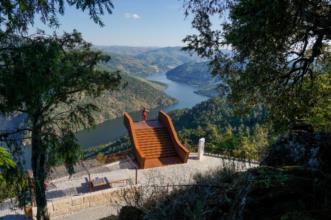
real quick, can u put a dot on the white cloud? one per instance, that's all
(132, 16)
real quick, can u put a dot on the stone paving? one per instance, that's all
(167, 175)
(172, 174)
(8, 211)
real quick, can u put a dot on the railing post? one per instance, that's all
(201, 148)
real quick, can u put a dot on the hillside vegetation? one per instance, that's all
(131, 65)
(226, 131)
(167, 58)
(136, 94)
(198, 74)
(141, 61)
(195, 74)
(125, 50)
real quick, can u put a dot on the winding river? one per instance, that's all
(111, 130)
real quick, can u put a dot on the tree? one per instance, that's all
(46, 78)
(18, 14)
(13, 181)
(278, 47)
(5, 163)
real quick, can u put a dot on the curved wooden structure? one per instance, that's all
(155, 142)
(130, 126)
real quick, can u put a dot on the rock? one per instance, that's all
(274, 193)
(301, 147)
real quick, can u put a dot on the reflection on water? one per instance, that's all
(114, 129)
(183, 93)
(109, 131)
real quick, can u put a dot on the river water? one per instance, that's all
(112, 130)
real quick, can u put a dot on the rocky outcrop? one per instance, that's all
(301, 147)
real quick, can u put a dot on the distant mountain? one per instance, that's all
(131, 65)
(148, 62)
(167, 58)
(125, 50)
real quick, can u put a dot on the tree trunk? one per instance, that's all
(39, 172)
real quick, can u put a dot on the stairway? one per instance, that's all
(157, 146)
(155, 142)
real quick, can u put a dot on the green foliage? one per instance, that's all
(133, 96)
(20, 14)
(269, 178)
(131, 65)
(130, 212)
(226, 194)
(280, 53)
(167, 58)
(48, 86)
(13, 181)
(226, 131)
(122, 144)
(125, 50)
(145, 61)
(196, 74)
(296, 215)
(6, 163)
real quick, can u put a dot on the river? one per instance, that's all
(111, 130)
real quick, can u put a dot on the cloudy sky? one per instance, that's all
(133, 23)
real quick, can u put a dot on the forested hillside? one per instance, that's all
(195, 74)
(136, 94)
(131, 65)
(226, 131)
(141, 61)
(125, 50)
(167, 58)
(198, 74)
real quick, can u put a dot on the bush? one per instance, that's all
(130, 213)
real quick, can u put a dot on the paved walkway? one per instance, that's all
(172, 174)
(9, 211)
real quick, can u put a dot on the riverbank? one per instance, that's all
(111, 130)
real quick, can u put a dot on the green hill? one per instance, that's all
(195, 74)
(167, 58)
(141, 61)
(226, 131)
(198, 75)
(131, 65)
(136, 94)
(125, 50)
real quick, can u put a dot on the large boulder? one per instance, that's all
(292, 192)
(301, 147)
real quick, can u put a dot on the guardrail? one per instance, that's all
(130, 126)
(181, 150)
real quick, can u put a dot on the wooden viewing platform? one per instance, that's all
(155, 142)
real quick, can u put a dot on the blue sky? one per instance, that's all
(133, 23)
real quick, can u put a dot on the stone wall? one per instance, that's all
(69, 205)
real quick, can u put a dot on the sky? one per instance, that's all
(157, 23)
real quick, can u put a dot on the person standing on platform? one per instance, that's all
(144, 114)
